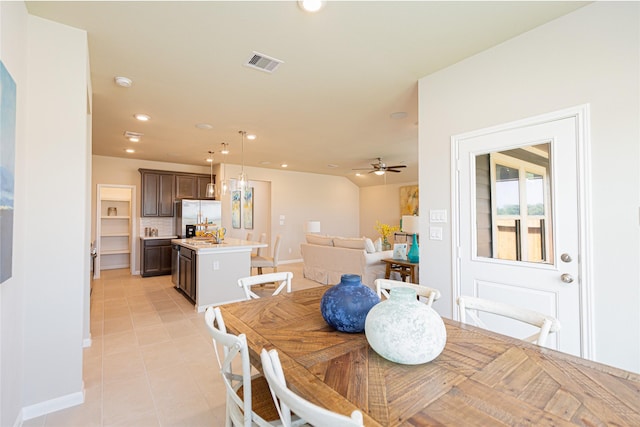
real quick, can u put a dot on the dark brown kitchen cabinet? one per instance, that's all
(187, 272)
(158, 191)
(156, 257)
(192, 186)
(202, 186)
(186, 187)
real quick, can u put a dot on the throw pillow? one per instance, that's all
(350, 243)
(368, 245)
(378, 244)
(319, 240)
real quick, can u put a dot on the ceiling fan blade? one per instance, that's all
(393, 170)
(397, 166)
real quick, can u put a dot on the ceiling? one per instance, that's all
(328, 108)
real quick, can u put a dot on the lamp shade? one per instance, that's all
(313, 226)
(410, 224)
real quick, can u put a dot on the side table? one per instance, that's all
(406, 269)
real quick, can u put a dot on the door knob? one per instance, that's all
(566, 278)
(566, 258)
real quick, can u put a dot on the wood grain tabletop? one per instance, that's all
(480, 379)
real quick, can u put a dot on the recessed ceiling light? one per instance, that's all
(123, 81)
(284, 165)
(251, 136)
(209, 159)
(311, 5)
(142, 117)
(134, 138)
(130, 150)
(358, 174)
(204, 126)
(399, 115)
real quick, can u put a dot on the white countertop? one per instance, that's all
(228, 245)
(157, 237)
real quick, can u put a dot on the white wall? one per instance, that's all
(13, 53)
(41, 358)
(589, 56)
(56, 188)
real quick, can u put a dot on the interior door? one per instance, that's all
(518, 224)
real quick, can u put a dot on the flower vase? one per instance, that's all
(345, 305)
(405, 330)
(385, 244)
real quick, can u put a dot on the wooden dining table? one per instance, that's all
(480, 379)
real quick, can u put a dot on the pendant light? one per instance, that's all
(243, 181)
(223, 182)
(211, 187)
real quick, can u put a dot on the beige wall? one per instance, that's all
(379, 203)
(589, 56)
(296, 196)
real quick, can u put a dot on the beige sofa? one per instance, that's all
(327, 258)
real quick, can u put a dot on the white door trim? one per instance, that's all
(582, 115)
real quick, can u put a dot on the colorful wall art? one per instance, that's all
(247, 208)
(235, 208)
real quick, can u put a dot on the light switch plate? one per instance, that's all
(435, 233)
(438, 215)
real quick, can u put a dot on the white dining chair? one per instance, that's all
(546, 324)
(261, 261)
(261, 239)
(383, 286)
(288, 402)
(248, 402)
(282, 281)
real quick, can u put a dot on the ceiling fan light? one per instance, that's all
(379, 172)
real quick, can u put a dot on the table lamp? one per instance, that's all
(411, 225)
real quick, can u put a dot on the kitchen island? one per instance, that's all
(208, 272)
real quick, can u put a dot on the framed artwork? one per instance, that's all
(247, 208)
(409, 200)
(7, 169)
(235, 208)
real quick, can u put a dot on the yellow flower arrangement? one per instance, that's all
(385, 230)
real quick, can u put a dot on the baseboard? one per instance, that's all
(53, 405)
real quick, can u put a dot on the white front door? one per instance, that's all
(519, 233)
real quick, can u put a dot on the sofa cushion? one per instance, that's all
(350, 243)
(319, 240)
(369, 246)
(378, 244)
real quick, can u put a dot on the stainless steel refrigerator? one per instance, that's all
(194, 212)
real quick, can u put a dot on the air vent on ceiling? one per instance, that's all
(263, 62)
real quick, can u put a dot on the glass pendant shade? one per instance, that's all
(242, 180)
(211, 189)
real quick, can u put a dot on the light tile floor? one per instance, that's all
(151, 362)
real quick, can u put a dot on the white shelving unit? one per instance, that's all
(114, 227)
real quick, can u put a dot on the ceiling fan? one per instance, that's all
(380, 167)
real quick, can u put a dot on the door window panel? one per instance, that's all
(516, 185)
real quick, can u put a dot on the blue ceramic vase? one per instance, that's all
(345, 306)
(405, 330)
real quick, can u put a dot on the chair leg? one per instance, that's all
(259, 270)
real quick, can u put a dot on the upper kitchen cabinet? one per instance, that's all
(192, 186)
(202, 186)
(158, 189)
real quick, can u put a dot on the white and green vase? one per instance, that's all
(405, 330)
